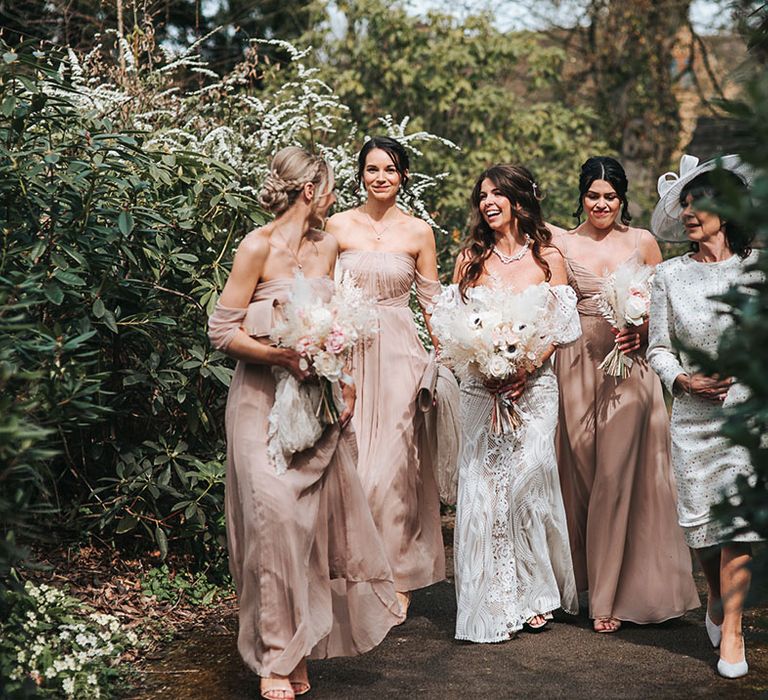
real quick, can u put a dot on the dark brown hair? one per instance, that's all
(713, 185)
(610, 170)
(519, 186)
(394, 149)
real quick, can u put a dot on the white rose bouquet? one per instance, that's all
(324, 334)
(495, 333)
(625, 300)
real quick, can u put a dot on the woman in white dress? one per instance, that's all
(683, 312)
(512, 559)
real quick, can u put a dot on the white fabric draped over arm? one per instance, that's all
(563, 315)
(661, 354)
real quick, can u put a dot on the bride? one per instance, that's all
(512, 559)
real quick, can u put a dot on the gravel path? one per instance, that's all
(421, 659)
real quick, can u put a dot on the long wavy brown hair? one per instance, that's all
(519, 186)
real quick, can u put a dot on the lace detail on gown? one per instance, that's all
(511, 543)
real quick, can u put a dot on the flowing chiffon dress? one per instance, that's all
(613, 455)
(684, 310)
(511, 552)
(311, 574)
(395, 462)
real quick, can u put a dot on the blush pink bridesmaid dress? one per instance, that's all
(311, 574)
(395, 462)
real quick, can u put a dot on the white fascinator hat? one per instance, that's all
(665, 221)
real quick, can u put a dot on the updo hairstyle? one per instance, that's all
(610, 170)
(291, 169)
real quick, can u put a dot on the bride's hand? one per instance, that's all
(349, 395)
(293, 362)
(514, 386)
(511, 387)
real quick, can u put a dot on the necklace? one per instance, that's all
(295, 255)
(378, 233)
(506, 259)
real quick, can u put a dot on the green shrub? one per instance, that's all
(53, 646)
(173, 587)
(111, 254)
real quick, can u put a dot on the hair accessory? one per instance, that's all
(665, 221)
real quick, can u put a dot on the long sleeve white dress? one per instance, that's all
(705, 463)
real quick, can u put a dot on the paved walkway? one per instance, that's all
(420, 659)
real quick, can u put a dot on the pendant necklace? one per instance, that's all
(295, 255)
(507, 259)
(378, 233)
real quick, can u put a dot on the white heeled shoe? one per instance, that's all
(728, 670)
(714, 632)
(737, 670)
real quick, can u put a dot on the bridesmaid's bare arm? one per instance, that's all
(246, 272)
(650, 249)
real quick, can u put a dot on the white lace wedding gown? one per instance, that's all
(512, 558)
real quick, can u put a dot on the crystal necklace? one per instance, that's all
(506, 259)
(378, 233)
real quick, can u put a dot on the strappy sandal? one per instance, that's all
(300, 687)
(277, 692)
(609, 625)
(404, 598)
(299, 680)
(537, 626)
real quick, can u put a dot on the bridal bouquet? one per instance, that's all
(323, 333)
(494, 334)
(625, 300)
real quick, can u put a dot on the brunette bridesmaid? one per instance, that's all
(311, 574)
(387, 251)
(613, 434)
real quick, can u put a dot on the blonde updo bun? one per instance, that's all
(291, 169)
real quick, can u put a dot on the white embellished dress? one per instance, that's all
(705, 463)
(512, 557)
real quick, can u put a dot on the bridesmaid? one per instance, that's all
(311, 574)
(387, 251)
(684, 309)
(613, 434)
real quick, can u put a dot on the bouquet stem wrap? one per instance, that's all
(504, 417)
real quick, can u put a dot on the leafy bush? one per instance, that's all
(172, 587)
(51, 646)
(110, 253)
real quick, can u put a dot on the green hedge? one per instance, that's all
(110, 398)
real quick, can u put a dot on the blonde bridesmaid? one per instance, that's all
(311, 574)
(613, 434)
(388, 251)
